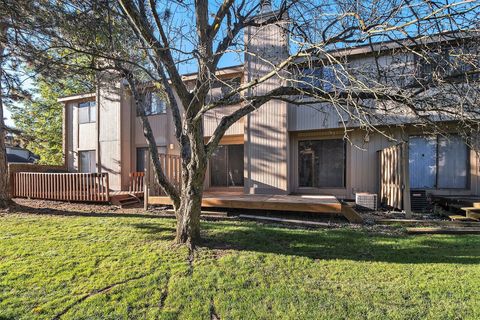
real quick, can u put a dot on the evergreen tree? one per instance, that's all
(39, 118)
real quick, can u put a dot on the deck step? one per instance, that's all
(304, 223)
(470, 209)
(461, 218)
(444, 230)
(351, 215)
(462, 221)
(472, 213)
(126, 201)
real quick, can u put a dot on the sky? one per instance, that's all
(8, 120)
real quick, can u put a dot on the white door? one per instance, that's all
(422, 162)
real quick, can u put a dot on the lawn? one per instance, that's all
(119, 266)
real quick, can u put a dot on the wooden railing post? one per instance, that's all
(146, 181)
(108, 186)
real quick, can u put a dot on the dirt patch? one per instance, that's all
(45, 206)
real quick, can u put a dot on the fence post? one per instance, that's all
(108, 186)
(146, 179)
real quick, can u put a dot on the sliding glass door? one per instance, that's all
(226, 166)
(321, 163)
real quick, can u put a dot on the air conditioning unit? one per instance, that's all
(366, 200)
(418, 200)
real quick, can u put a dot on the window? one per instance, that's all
(328, 78)
(87, 112)
(438, 162)
(448, 61)
(154, 104)
(141, 157)
(321, 163)
(310, 77)
(221, 88)
(87, 163)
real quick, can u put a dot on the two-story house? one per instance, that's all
(281, 148)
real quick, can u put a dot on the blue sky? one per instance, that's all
(8, 121)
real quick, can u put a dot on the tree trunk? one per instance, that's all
(188, 219)
(4, 193)
(191, 194)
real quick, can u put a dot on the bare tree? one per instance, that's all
(152, 40)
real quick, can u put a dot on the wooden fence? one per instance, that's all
(393, 177)
(171, 165)
(88, 187)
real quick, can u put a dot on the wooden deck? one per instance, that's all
(298, 203)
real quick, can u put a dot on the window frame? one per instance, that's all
(226, 149)
(148, 103)
(297, 163)
(317, 77)
(146, 152)
(90, 105)
(467, 166)
(92, 160)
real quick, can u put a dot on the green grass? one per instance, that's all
(124, 267)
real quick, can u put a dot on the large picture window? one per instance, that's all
(87, 112)
(321, 163)
(438, 162)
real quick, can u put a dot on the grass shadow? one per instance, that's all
(343, 243)
(160, 233)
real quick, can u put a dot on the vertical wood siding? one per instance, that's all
(109, 110)
(266, 141)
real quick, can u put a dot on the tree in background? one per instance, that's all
(40, 118)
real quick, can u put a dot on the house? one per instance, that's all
(281, 148)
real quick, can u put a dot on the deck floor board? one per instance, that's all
(299, 203)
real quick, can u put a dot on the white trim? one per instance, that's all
(76, 97)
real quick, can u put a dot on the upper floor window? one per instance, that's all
(221, 88)
(453, 62)
(328, 78)
(154, 104)
(87, 112)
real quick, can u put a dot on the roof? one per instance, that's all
(80, 96)
(381, 46)
(221, 72)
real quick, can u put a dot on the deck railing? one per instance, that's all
(88, 187)
(171, 165)
(136, 182)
